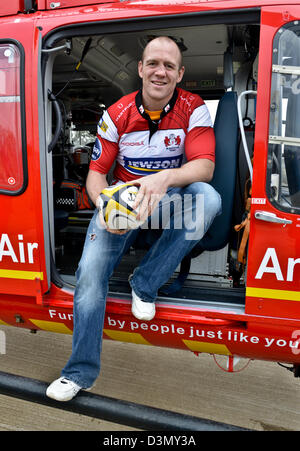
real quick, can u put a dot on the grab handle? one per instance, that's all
(245, 145)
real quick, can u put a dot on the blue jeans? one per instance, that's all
(184, 214)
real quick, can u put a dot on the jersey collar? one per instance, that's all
(153, 125)
(166, 109)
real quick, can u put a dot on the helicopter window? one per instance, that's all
(284, 129)
(12, 178)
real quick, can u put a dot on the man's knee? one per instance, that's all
(213, 200)
(204, 192)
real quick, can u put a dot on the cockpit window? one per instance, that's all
(12, 177)
(284, 128)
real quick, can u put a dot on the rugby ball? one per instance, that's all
(116, 203)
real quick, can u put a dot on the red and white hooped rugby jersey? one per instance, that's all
(141, 146)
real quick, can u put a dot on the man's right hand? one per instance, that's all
(103, 223)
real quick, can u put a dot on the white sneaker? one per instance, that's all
(142, 310)
(62, 389)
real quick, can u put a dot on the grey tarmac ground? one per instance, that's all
(263, 397)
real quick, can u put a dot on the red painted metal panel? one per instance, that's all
(11, 7)
(270, 293)
(72, 3)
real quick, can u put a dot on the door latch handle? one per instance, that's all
(271, 217)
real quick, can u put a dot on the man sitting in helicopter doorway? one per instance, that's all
(140, 127)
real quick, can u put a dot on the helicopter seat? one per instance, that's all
(226, 128)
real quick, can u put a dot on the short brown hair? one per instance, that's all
(166, 38)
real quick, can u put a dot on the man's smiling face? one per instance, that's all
(160, 71)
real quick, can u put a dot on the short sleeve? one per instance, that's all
(200, 143)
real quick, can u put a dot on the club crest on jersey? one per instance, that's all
(172, 142)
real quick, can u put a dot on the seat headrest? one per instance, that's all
(228, 69)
